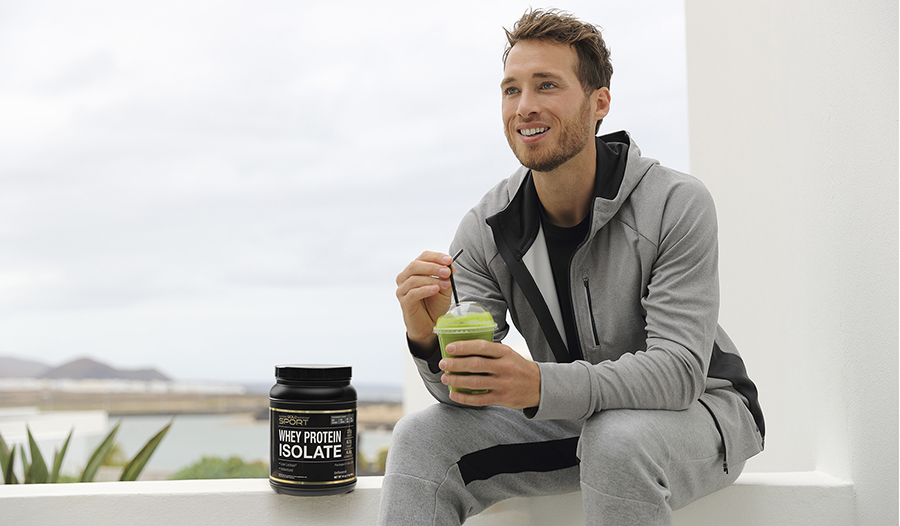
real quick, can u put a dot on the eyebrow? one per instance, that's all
(538, 75)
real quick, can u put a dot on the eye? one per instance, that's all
(510, 91)
(547, 85)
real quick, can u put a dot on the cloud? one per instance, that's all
(212, 167)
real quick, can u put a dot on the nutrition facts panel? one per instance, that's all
(342, 420)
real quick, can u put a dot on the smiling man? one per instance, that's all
(606, 262)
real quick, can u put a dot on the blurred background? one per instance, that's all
(193, 192)
(213, 188)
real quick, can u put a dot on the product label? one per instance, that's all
(312, 447)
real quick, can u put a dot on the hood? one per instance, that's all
(518, 223)
(608, 201)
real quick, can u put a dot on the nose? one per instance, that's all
(527, 104)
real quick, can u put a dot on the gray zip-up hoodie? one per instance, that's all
(645, 295)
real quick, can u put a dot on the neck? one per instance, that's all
(568, 191)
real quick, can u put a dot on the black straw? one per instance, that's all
(452, 282)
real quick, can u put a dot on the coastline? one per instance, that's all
(371, 413)
(238, 421)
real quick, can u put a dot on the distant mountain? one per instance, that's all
(86, 368)
(80, 369)
(17, 368)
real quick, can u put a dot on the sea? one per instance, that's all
(193, 437)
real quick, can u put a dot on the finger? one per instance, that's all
(475, 382)
(467, 364)
(419, 287)
(498, 392)
(423, 268)
(476, 347)
(436, 257)
(412, 298)
(473, 399)
(423, 305)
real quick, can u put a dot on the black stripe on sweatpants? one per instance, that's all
(519, 458)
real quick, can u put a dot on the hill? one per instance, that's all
(18, 368)
(80, 369)
(86, 368)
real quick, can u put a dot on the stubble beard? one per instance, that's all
(574, 134)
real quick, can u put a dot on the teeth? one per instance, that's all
(533, 131)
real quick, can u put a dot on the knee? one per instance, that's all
(407, 434)
(404, 434)
(619, 440)
(418, 436)
(622, 457)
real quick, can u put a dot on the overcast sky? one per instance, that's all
(213, 188)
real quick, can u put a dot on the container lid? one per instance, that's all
(464, 316)
(313, 372)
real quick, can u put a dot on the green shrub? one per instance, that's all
(220, 468)
(36, 472)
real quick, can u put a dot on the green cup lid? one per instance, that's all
(465, 315)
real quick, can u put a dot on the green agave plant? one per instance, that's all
(36, 472)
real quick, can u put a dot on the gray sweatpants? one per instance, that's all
(633, 467)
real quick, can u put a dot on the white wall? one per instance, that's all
(806, 499)
(793, 110)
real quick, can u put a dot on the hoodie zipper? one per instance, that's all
(587, 289)
(719, 429)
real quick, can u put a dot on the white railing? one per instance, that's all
(756, 499)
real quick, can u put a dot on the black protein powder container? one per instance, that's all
(312, 422)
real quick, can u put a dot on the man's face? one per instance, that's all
(548, 118)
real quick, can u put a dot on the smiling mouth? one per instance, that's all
(531, 132)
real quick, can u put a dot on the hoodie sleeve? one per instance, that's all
(431, 375)
(681, 302)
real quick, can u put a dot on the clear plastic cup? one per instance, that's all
(464, 321)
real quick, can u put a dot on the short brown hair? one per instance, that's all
(594, 69)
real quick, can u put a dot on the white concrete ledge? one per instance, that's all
(757, 499)
(809, 498)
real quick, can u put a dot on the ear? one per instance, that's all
(601, 99)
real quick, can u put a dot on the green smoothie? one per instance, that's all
(464, 321)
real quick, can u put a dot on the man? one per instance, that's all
(606, 262)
